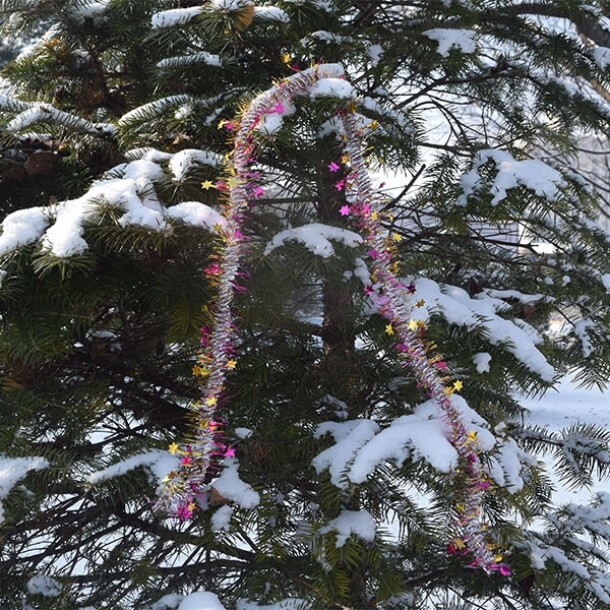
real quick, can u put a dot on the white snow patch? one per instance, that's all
(221, 519)
(175, 17)
(448, 39)
(481, 361)
(271, 122)
(291, 603)
(128, 187)
(182, 162)
(159, 464)
(202, 57)
(580, 330)
(316, 238)
(601, 56)
(196, 214)
(375, 52)
(23, 227)
(533, 174)
(351, 436)
(458, 308)
(135, 170)
(202, 600)
(12, 470)
(361, 446)
(332, 87)
(506, 464)
(230, 486)
(229, 5)
(41, 584)
(359, 523)
(271, 13)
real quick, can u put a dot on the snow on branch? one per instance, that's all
(449, 39)
(231, 487)
(361, 445)
(531, 174)
(181, 61)
(153, 110)
(571, 541)
(158, 464)
(175, 17)
(316, 238)
(12, 470)
(458, 308)
(357, 523)
(32, 113)
(271, 13)
(184, 16)
(129, 188)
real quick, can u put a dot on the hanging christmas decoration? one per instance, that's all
(185, 489)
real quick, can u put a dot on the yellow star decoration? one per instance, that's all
(498, 558)
(459, 544)
(231, 364)
(211, 401)
(457, 386)
(200, 371)
(413, 325)
(345, 159)
(207, 185)
(232, 182)
(374, 124)
(173, 448)
(389, 329)
(472, 436)
(396, 237)
(286, 58)
(222, 123)
(374, 215)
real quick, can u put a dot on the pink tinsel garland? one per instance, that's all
(184, 489)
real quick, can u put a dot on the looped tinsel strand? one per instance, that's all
(185, 488)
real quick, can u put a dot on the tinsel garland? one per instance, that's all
(184, 490)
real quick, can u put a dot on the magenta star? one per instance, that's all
(333, 167)
(345, 210)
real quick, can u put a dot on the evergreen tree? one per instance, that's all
(116, 142)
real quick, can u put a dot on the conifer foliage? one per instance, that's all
(332, 479)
